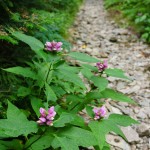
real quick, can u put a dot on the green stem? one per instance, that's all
(48, 72)
(35, 140)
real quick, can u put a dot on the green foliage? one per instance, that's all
(16, 123)
(116, 73)
(34, 44)
(50, 80)
(136, 11)
(83, 57)
(100, 129)
(109, 93)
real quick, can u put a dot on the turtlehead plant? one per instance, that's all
(46, 117)
(53, 46)
(102, 66)
(99, 112)
(50, 85)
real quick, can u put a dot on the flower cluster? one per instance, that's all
(99, 112)
(47, 118)
(53, 46)
(102, 66)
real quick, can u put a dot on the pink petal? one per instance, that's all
(49, 123)
(42, 112)
(42, 119)
(51, 109)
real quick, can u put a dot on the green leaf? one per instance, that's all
(16, 123)
(92, 68)
(70, 76)
(14, 145)
(82, 137)
(89, 111)
(34, 43)
(63, 119)
(83, 57)
(122, 120)
(100, 82)
(78, 121)
(116, 73)
(25, 72)
(36, 103)
(87, 73)
(23, 91)
(99, 132)
(100, 129)
(51, 96)
(87, 100)
(38, 142)
(58, 90)
(109, 93)
(64, 143)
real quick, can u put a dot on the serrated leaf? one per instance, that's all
(87, 100)
(63, 119)
(58, 90)
(39, 142)
(12, 109)
(64, 143)
(36, 103)
(23, 91)
(83, 57)
(71, 77)
(116, 73)
(100, 129)
(99, 132)
(122, 120)
(78, 121)
(87, 73)
(82, 137)
(16, 123)
(100, 82)
(14, 145)
(109, 93)
(25, 72)
(51, 96)
(34, 43)
(92, 68)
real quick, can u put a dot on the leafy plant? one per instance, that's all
(52, 89)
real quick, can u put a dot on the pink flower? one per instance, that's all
(51, 113)
(102, 66)
(49, 123)
(42, 112)
(53, 46)
(99, 112)
(41, 120)
(46, 117)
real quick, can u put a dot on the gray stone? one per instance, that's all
(141, 114)
(117, 142)
(131, 135)
(113, 39)
(143, 129)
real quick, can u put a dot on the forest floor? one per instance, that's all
(95, 33)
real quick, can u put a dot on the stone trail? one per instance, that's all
(96, 34)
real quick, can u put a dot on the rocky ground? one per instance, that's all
(98, 35)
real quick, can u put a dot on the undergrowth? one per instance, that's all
(136, 12)
(46, 20)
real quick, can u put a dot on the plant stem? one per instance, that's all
(35, 140)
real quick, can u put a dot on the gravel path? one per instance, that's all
(96, 34)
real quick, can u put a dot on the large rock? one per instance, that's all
(117, 142)
(131, 135)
